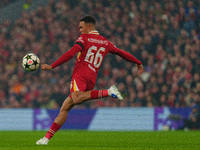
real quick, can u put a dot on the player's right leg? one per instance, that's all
(58, 122)
(81, 90)
(80, 97)
(114, 92)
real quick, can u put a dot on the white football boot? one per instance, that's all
(114, 92)
(42, 141)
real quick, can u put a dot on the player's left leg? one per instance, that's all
(77, 97)
(66, 107)
(58, 122)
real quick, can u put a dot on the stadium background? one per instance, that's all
(164, 35)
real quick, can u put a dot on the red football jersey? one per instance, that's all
(90, 58)
(92, 50)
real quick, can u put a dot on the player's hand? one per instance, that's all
(140, 69)
(46, 67)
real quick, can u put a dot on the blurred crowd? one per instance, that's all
(163, 34)
(4, 3)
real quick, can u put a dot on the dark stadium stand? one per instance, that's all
(164, 35)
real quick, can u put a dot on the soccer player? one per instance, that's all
(91, 48)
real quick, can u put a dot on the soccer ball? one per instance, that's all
(30, 62)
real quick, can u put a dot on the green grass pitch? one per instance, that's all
(96, 140)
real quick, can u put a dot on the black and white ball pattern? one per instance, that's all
(30, 62)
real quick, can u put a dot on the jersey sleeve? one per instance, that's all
(80, 41)
(67, 56)
(125, 55)
(79, 44)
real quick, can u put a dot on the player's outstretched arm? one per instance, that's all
(127, 56)
(46, 67)
(140, 69)
(67, 56)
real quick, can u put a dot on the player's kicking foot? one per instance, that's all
(42, 141)
(114, 92)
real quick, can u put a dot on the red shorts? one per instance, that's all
(80, 83)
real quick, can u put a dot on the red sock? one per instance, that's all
(99, 94)
(54, 128)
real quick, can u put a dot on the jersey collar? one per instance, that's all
(94, 32)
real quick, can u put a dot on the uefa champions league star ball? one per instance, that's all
(30, 62)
